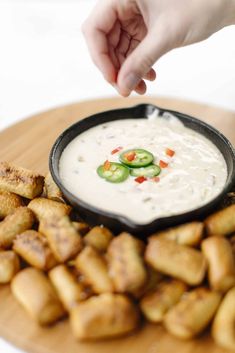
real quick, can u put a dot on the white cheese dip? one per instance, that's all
(195, 174)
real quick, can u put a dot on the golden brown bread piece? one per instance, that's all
(155, 304)
(20, 181)
(104, 316)
(99, 238)
(221, 222)
(44, 208)
(185, 234)
(8, 203)
(51, 189)
(126, 265)
(223, 325)
(152, 281)
(36, 294)
(92, 265)
(178, 261)
(17, 222)
(221, 263)
(81, 227)
(64, 240)
(69, 290)
(193, 313)
(34, 249)
(232, 243)
(9, 266)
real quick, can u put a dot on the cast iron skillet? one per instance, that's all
(117, 223)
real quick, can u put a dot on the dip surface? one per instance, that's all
(195, 174)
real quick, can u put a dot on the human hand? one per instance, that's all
(126, 37)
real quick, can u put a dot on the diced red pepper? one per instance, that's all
(117, 150)
(140, 179)
(170, 152)
(163, 164)
(130, 156)
(156, 179)
(107, 165)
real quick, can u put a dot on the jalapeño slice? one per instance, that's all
(150, 171)
(116, 173)
(136, 158)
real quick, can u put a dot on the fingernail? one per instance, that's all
(131, 81)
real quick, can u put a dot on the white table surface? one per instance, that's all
(44, 63)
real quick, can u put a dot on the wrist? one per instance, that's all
(230, 12)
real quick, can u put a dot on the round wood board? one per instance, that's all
(28, 144)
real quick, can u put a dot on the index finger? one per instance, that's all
(96, 29)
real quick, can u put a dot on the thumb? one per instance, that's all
(141, 60)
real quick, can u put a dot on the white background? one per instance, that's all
(44, 63)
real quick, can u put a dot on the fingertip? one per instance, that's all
(123, 94)
(154, 75)
(141, 88)
(151, 75)
(111, 77)
(127, 83)
(122, 90)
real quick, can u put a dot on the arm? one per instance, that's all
(126, 37)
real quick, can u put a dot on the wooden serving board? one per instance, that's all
(28, 144)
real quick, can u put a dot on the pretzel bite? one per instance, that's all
(99, 238)
(52, 190)
(36, 294)
(155, 304)
(93, 266)
(185, 234)
(153, 279)
(8, 203)
(34, 249)
(104, 316)
(193, 313)
(221, 263)
(232, 243)
(69, 290)
(81, 227)
(65, 242)
(17, 222)
(20, 181)
(179, 261)
(221, 222)
(44, 208)
(223, 326)
(9, 266)
(126, 264)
